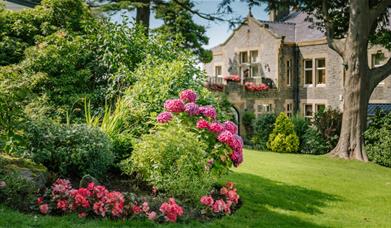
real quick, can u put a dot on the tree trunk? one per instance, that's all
(143, 14)
(357, 86)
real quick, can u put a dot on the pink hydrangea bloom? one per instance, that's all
(44, 208)
(207, 200)
(202, 124)
(208, 111)
(164, 117)
(216, 127)
(223, 191)
(226, 137)
(174, 105)
(61, 186)
(99, 208)
(236, 157)
(218, 206)
(136, 209)
(231, 127)
(192, 109)
(188, 95)
(82, 214)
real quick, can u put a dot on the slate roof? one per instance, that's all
(295, 28)
(373, 108)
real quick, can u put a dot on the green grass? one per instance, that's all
(279, 190)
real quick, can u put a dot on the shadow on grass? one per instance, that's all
(269, 203)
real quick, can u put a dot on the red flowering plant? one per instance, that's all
(96, 200)
(220, 201)
(234, 78)
(225, 146)
(251, 86)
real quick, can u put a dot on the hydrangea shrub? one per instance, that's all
(187, 149)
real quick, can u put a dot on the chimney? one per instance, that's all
(278, 13)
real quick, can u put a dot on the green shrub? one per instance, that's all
(301, 125)
(313, 142)
(173, 159)
(263, 126)
(378, 139)
(23, 179)
(19, 192)
(248, 122)
(70, 151)
(328, 122)
(283, 138)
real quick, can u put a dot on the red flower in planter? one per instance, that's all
(234, 78)
(251, 86)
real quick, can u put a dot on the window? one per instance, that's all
(253, 56)
(289, 72)
(320, 71)
(255, 71)
(308, 111)
(308, 72)
(320, 107)
(377, 60)
(265, 108)
(218, 71)
(243, 57)
(289, 109)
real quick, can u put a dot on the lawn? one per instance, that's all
(280, 190)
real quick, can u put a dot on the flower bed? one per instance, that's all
(98, 201)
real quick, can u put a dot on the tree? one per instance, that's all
(178, 24)
(177, 16)
(351, 26)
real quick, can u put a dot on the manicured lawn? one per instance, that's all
(280, 190)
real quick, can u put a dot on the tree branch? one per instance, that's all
(198, 13)
(378, 10)
(378, 74)
(337, 45)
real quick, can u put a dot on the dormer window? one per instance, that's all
(254, 56)
(243, 57)
(218, 71)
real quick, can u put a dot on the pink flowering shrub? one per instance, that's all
(204, 118)
(96, 200)
(220, 201)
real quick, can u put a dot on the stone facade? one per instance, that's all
(305, 75)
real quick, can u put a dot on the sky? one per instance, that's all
(217, 32)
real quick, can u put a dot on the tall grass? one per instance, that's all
(111, 120)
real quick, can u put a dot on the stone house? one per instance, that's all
(293, 59)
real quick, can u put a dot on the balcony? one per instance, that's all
(249, 87)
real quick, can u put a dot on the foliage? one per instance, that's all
(20, 30)
(19, 191)
(328, 122)
(313, 142)
(179, 24)
(159, 79)
(378, 139)
(283, 138)
(263, 126)
(248, 120)
(301, 125)
(172, 159)
(69, 150)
